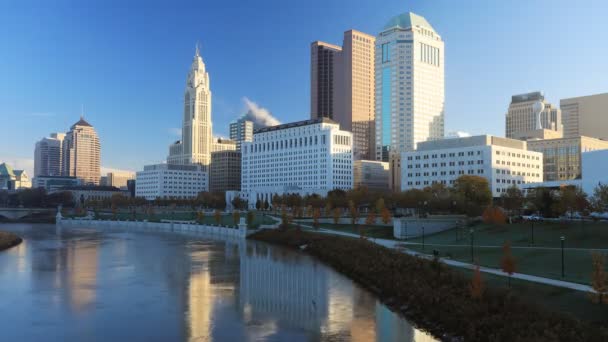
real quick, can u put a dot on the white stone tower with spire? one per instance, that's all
(195, 146)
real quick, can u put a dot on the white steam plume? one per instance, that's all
(260, 116)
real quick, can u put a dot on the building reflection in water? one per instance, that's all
(298, 291)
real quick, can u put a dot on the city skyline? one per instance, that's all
(101, 67)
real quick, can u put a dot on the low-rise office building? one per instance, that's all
(562, 157)
(503, 162)
(225, 171)
(170, 181)
(305, 157)
(84, 193)
(55, 183)
(371, 174)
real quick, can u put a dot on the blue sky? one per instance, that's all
(127, 64)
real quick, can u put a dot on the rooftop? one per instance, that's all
(295, 124)
(6, 170)
(533, 96)
(92, 188)
(82, 122)
(408, 20)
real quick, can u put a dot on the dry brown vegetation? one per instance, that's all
(8, 240)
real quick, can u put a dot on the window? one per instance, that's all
(385, 52)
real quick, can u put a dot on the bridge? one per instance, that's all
(19, 213)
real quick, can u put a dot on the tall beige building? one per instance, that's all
(521, 117)
(81, 153)
(586, 115)
(196, 144)
(342, 87)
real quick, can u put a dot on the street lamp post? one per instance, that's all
(532, 232)
(423, 238)
(562, 239)
(472, 232)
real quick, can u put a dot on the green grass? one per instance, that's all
(559, 299)
(530, 259)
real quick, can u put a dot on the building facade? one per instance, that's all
(371, 174)
(585, 116)
(195, 147)
(241, 130)
(220, 144)
(119, 179)
(325, 65)
(11, 179)
(55, 183)
(562, 157)
(84, 193)
(170, 181)
(81, 153)
(48, 155)
(304, 157)
(225, 171)
(342, 85)
(503, 162)
(522, 118)
(410, 86)
(595, 164)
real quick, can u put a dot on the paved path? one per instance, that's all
(399, 246)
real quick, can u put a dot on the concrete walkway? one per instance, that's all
(394, 244)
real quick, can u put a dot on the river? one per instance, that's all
(86, 284)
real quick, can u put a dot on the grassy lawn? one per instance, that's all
(575, 303)
(373, 231)
(533, 259)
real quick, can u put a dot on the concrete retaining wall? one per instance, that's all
(407, 227)
(240, 232)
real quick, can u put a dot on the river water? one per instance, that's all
(87, 284)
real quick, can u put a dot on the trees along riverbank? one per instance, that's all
(435, 297)
(8, 240)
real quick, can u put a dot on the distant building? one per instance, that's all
(131, 187)
(303, 157)
(195, 145)
(225, 171)
(371, 174)
(503, 162)
(241, 130)
(585, 116)
(170, 181)
(221, 144)
(342, 87)
(410, 85)
(11, 179)
(81, 153)
(562, 157)
(119, 179)
(594, 166)
(48, 155)
(522, 118)
(55, 183)
(83, 193)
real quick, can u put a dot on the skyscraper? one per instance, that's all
(195, 146)
(410, 94)
(585, 115)
(81, 153)
(47, 155)
(522, 119)
(241, 130)
(324, 65)
(342, 87)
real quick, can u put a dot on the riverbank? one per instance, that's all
(8, 240)
(435, 297)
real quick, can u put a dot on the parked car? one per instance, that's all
(533, 218)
